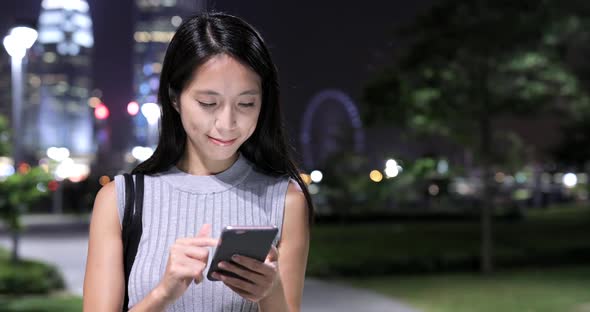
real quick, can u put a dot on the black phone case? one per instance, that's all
(253, 242)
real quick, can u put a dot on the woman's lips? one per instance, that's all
(222, 142)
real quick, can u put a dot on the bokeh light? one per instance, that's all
(53, 185)
(151, 111)
(392, 168)
(104, 180)
(142, 153)
(442, 167)
(390, 163)
(133, 108)
(176, 20)
(433, 189)
(24, 168)
(6, 168)
(41, 187)
(570, 180)
(376, 176)
(392, 172)
(306, 178)
(316, 176)
(314, 189)
(58, 153)
(94, 102)
(101, 112)
(499, 177)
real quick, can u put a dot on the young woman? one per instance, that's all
(222, 159)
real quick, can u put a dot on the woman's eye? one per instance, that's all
(206, 104)
(247, 104)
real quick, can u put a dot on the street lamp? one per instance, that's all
(16, 44)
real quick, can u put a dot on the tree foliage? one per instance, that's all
(471, 62)
(19, 190)
(468, 64)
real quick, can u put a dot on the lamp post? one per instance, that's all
(16, 44)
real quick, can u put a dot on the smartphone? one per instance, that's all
(250, 241)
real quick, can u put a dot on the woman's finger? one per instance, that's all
(205, 230)
(244, 294)
(190, 269)
(198, 275)
(236, 282)
(251, 264)
(252, 276)
(198, 253)
(198, 241)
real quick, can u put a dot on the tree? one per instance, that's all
(574, 148)
(469, 63)
(4, 137)
(18, 191)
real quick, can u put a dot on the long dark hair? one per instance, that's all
(198, 39)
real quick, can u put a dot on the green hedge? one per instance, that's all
(543, 237)
(28, 277)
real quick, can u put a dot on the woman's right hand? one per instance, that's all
(186, 263)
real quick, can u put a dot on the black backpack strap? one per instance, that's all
(132, 226)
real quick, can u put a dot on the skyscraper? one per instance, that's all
(155, 25)
(59, 81)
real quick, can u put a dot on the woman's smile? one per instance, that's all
(221, 142)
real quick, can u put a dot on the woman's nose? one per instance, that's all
(226, 119)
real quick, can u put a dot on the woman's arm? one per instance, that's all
(293, 251)
(104, 284)
(277, 284)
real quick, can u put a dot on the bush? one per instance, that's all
(29, 277)
(552, 236)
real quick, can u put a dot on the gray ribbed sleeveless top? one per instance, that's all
(176, 204)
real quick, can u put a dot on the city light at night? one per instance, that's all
(101, 112)
(316, 176)
(133, 108)
(376, 176)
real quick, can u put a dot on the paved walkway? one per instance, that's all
(320, 296)
(67, 250)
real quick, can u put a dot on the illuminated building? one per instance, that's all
(155, 25)
(56, 111)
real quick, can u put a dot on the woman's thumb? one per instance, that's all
(273, 254)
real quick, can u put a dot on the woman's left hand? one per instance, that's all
(260, 277)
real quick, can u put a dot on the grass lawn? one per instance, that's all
(54, 303)
(548, 236)
(530, 255)
(539, 290)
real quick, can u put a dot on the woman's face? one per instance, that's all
(219, 108)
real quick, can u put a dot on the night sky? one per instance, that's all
(316, 45)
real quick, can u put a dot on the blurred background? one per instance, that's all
(445, 143)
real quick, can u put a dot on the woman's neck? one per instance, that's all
(195, 164)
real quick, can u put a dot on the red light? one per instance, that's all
(101, 112)
(133, 108)
(53, 185)
(24, 168)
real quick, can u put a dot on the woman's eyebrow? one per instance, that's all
(213, 92)
(250, 92)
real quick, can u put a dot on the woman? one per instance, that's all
(222, 159)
